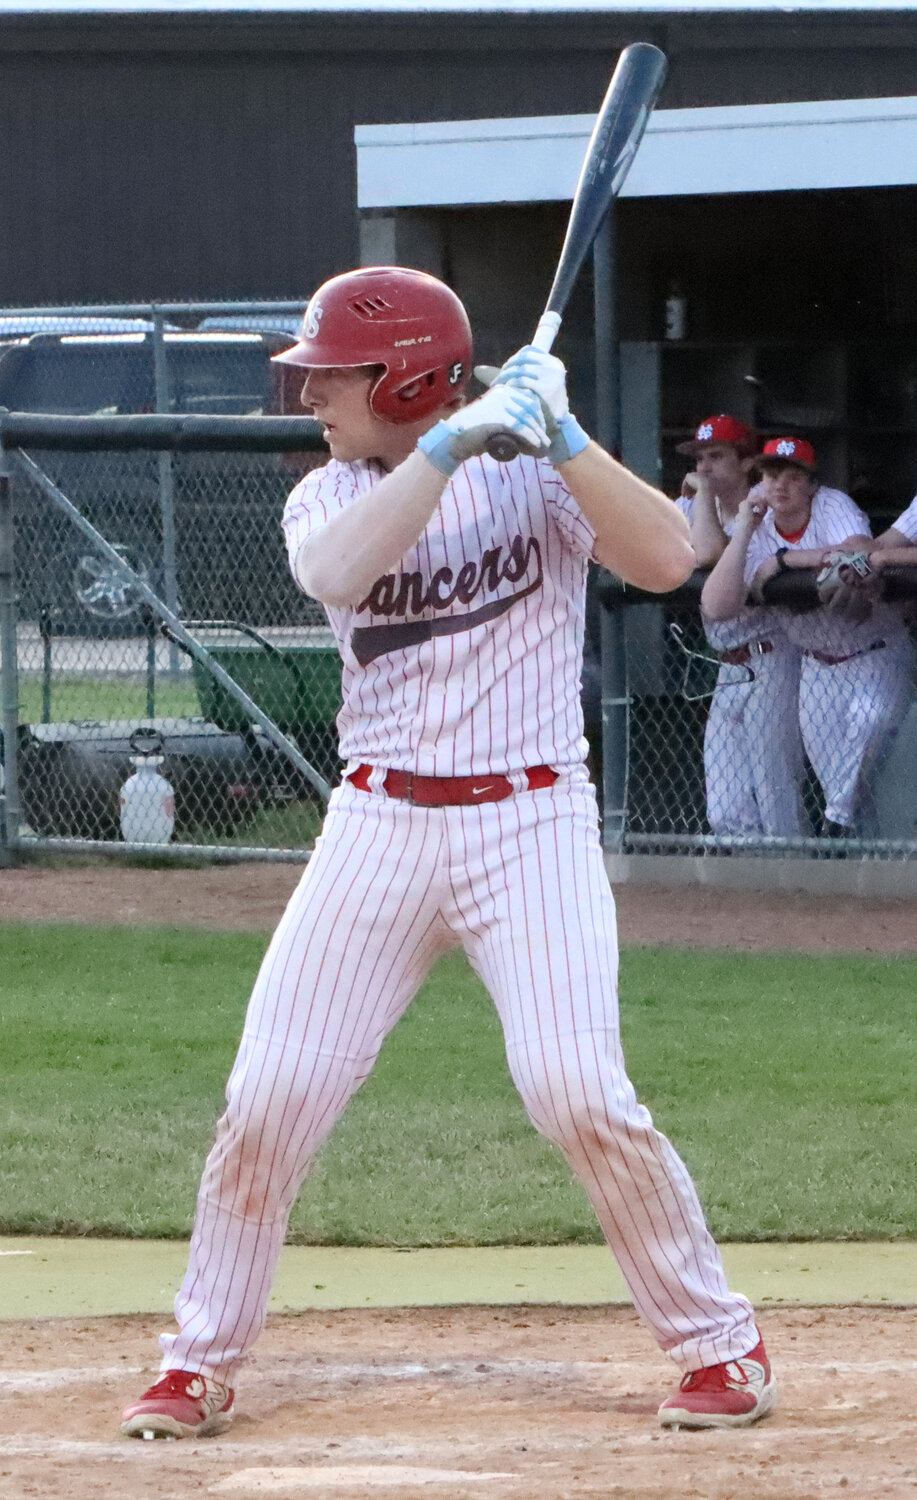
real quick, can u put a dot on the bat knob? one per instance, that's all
(503, 447)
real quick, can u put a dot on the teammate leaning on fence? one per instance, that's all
(855, 676)
(753, 760)
(455, 588)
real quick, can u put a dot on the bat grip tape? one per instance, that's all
(546, 332)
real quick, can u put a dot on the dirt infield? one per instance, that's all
(546, 1403)
(243, 897)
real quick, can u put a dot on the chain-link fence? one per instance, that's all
(188, 699)
(201, 530)
(775, 745)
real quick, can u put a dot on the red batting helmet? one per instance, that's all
(406, 321)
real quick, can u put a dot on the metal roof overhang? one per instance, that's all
(839, 143)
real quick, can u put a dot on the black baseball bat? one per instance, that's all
(618, 131)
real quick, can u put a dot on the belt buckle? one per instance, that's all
(756, 648)
(409, 787)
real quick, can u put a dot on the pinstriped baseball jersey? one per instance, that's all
(468, 657)
(849, 710)
(907, 522)
(834, 517)
(754, 623)
(752, 747)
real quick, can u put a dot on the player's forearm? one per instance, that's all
(640, 534)
(904, 556)
(890, 542)
(707, 535)
(340, 561)
(725, 592)
(789, 561)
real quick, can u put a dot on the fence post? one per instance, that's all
(615, 721)
(607, 375)
(9, 686)
(166, 480)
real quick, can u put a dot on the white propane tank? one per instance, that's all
(147, 799)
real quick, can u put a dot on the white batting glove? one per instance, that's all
(545, 374)
(468, 431)
(532, 370)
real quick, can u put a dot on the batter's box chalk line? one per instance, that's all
(297, 1481)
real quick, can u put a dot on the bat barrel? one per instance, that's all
(618, 131)
(632, 93)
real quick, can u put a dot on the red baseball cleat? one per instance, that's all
(731, 1395)
(180, 1405)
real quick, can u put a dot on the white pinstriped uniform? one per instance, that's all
(848, 711)
(753, 757)
(907, 522)
(520, 884)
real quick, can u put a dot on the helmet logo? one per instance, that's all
(313, 319)
(455, 372)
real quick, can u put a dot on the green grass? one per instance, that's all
(786, 1082)
(120, 697)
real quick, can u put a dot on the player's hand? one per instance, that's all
(468, 430)
(848, 585)
(750, 514)
(545, 374)
(532, 369)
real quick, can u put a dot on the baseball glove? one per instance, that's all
(848, 585)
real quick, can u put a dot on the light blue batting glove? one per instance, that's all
(567, 438)
(533, 370)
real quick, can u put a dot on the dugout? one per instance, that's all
(788, 231)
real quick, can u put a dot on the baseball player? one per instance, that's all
(753, 757)
(455, 588)
(855, 675)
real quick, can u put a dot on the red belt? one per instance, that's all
(835, 661)
(450, 791)
(740, 656)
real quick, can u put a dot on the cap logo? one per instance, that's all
(785, 449)
(313, 319)
(704, 432)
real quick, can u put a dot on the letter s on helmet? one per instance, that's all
(410, 323)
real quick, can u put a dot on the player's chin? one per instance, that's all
(349, 452)
(338, 445)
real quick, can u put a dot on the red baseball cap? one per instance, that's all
(788, 450)
(722, 429)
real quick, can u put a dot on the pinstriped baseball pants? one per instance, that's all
(521, 885)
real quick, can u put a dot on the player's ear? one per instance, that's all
(748, 465)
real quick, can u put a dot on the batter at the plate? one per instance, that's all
(456, 589)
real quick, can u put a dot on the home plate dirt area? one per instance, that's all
(546, 1403)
